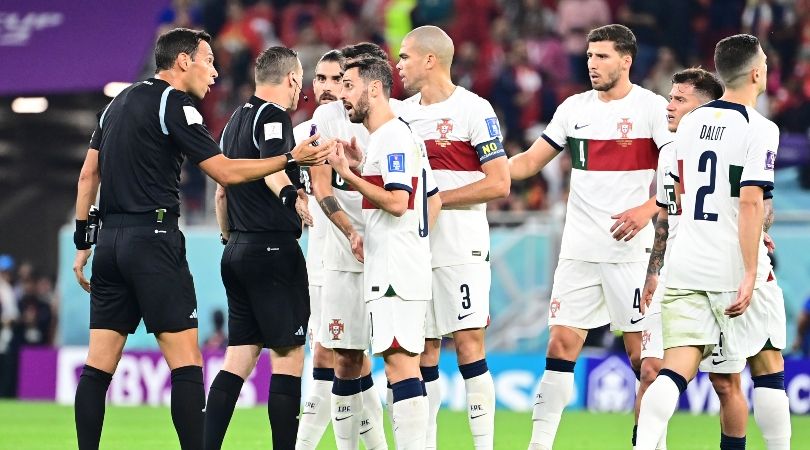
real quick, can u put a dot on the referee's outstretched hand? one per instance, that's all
(78, 267)
(310, 152)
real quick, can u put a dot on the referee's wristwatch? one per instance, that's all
(291, 162)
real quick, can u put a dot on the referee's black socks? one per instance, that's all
(188, 404)
(222, 399)
(282, 409)
(89, 406)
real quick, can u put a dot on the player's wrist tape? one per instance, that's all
(288, 195)
(80, 235)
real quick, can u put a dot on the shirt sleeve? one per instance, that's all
(430, 186)
(273, 132)
(185, 127)
(485, 132)
(323, 123)
(664, 179)
(658, 122)
(95, 138)
(760, 158)
(556, 133)
(398, 163)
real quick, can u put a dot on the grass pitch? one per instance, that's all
(27, 425)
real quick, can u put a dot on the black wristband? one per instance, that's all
(80, 235)
(288, 195)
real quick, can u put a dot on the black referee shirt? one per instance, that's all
(142, 137)
(259, 129)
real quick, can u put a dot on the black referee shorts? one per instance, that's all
(265, 278)
(140, 271)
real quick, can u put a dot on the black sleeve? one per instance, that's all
(274, 132)
(186, 128)
(95, 138)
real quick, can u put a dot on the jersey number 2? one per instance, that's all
(705, 158)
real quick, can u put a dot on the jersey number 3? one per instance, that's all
(706, 158)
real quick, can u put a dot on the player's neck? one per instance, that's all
(273, 94)
(618, 92)
(436, 91)
(379, 116)
(744, 96)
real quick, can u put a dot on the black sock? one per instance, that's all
(219, 408)
(188, 403)
(282, 410)
(731, 443)
(635, 432)
(89, 406)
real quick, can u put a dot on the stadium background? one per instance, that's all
(62, 61)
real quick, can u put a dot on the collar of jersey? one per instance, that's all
(256, 101)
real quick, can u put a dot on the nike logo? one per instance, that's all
(538, 403)
(635, 321)
(475, 417)
(716, 362)
(465, 315)
(343, 418)
(307, 413)
(578, 126)
(364, 432)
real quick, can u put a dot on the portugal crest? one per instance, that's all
(444, 128)
(645, 339)
(336, 328)
(553, 307)
(624, 127)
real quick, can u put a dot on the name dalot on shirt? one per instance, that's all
(711, 132)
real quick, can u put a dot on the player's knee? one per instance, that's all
(560, 347)
(649, 370)
(323, 357)
(724, 385)
(348, 363)
(635, 360)
(470, 349)
(430, 356)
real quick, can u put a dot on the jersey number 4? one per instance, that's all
(706, 158)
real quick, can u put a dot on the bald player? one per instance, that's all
(463, 140)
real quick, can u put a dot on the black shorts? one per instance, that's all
(265, 277)
(140, 271)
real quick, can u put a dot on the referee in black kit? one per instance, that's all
(140, 268)
(263, 268)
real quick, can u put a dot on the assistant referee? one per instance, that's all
(140, 269)
(263, 268)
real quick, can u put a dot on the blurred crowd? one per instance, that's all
(525, 56)
(28, 308)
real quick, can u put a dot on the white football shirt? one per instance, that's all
(316, 234)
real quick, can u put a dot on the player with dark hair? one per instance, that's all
(613, 133)
(725, 154)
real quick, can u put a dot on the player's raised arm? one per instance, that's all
(528, 163)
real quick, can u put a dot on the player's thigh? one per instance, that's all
(113, 305)
(105, 348)
(344, 314)
(243, 330)
(461, 297)
(622, 284)
(577, 298)
(156, 268)
(688, 320)
(397, 324)
(400, 365)
(766, 362)
(241, 359)
(287, 360)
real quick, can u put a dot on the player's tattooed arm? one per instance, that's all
(768, 215)
(659, 245)
(329, 205)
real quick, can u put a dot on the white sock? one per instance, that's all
(481, 410)
(315, 416)
(434, 401)
(657, 406)
(772, 414)
(347, 412)
(662, 443)
(372, 431)
(411, 418)
(556, 389)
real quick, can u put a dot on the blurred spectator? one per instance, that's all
(218, 340)
(575, 18)
(9, 314)
(34, 325)
(644, 18)
(801, 343)
(659, 79)
(432, 12)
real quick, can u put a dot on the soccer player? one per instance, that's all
(690, 89)
(315, 417)
(140, 269)
(613, 133)
(263, 268)
(399, 206)
(463, 140)
(718, 259)
(344, 321)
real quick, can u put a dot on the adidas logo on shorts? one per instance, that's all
(300, 331)
(193, 314)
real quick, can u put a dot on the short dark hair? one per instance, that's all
(702, 80)
(274, 64)
(364, 50)
(373, 69)
(333, 56)
(733, 56)
(624, 41)
(176, 41)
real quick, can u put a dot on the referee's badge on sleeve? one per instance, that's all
(272, 130)
(192, 115)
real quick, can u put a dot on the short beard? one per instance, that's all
(361, 110)
(607, 86)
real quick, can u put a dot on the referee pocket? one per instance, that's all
(282, 264)
(156, 250)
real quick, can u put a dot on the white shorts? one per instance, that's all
(588, 295)
(344, 318)
(460, 299)
(313, 329)
(652, 343)
(763, 321)
(397, 323)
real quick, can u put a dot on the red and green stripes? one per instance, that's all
(613, 154)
